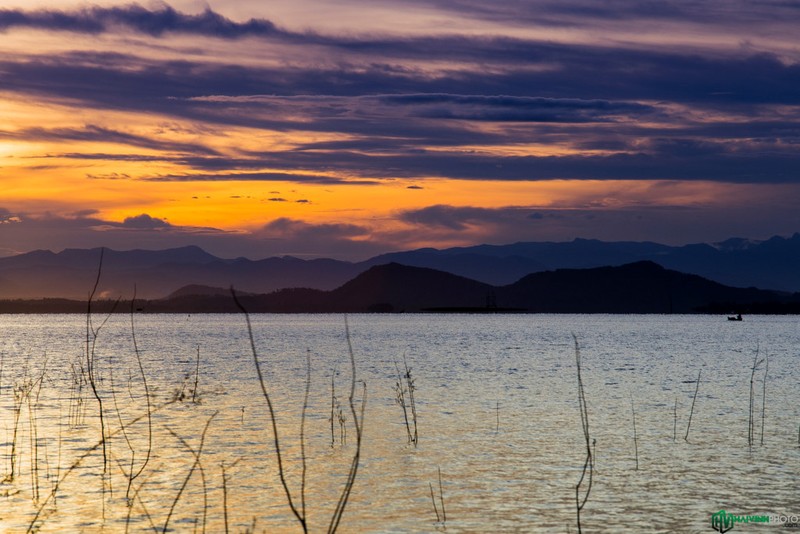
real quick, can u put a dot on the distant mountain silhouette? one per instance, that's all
(384, 288)
(71, 273)
(640, 287)
(771, 264)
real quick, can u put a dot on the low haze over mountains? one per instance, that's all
(772, 264)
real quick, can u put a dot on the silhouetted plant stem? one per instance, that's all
(297, 511)
(400, 399)
(195, 465)
(675, 421)
(137, 497)
(750, 423)
(34, 431)
(588, 464)
(441, 495)
(433, 501)
(411, 388)
(635, 435)
(18, 399)
(764, 397)
(224, 496)
(88, 452)
(358, 421)
(225, 493)
(91, 342)
(439, 518)
(303, 435)
(132, 476)
(333, 404)
(196, 375)
(691, 411)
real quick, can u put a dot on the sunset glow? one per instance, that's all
(400, 124)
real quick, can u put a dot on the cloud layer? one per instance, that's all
(512, 97)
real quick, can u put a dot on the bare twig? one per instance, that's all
(691, 411)
(433, 501)
(195, 465)
(298, 512)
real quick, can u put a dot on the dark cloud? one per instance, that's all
(297, 237)
(136, 18)
(258, 177)
(145, 222)
(666, 224)
(285, 227)
(729, 14)
(98, 134)
(658, 161)
(457, 218)
(514, 108)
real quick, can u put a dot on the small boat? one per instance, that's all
(737, 317)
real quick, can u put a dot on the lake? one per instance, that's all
(496, 400)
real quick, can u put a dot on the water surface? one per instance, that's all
(497, 407)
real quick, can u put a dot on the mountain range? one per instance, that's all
(771, 264)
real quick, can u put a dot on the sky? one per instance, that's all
(346, 129)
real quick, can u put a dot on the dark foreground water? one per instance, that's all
(497, 413)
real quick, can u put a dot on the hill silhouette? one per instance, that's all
(640, 287)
